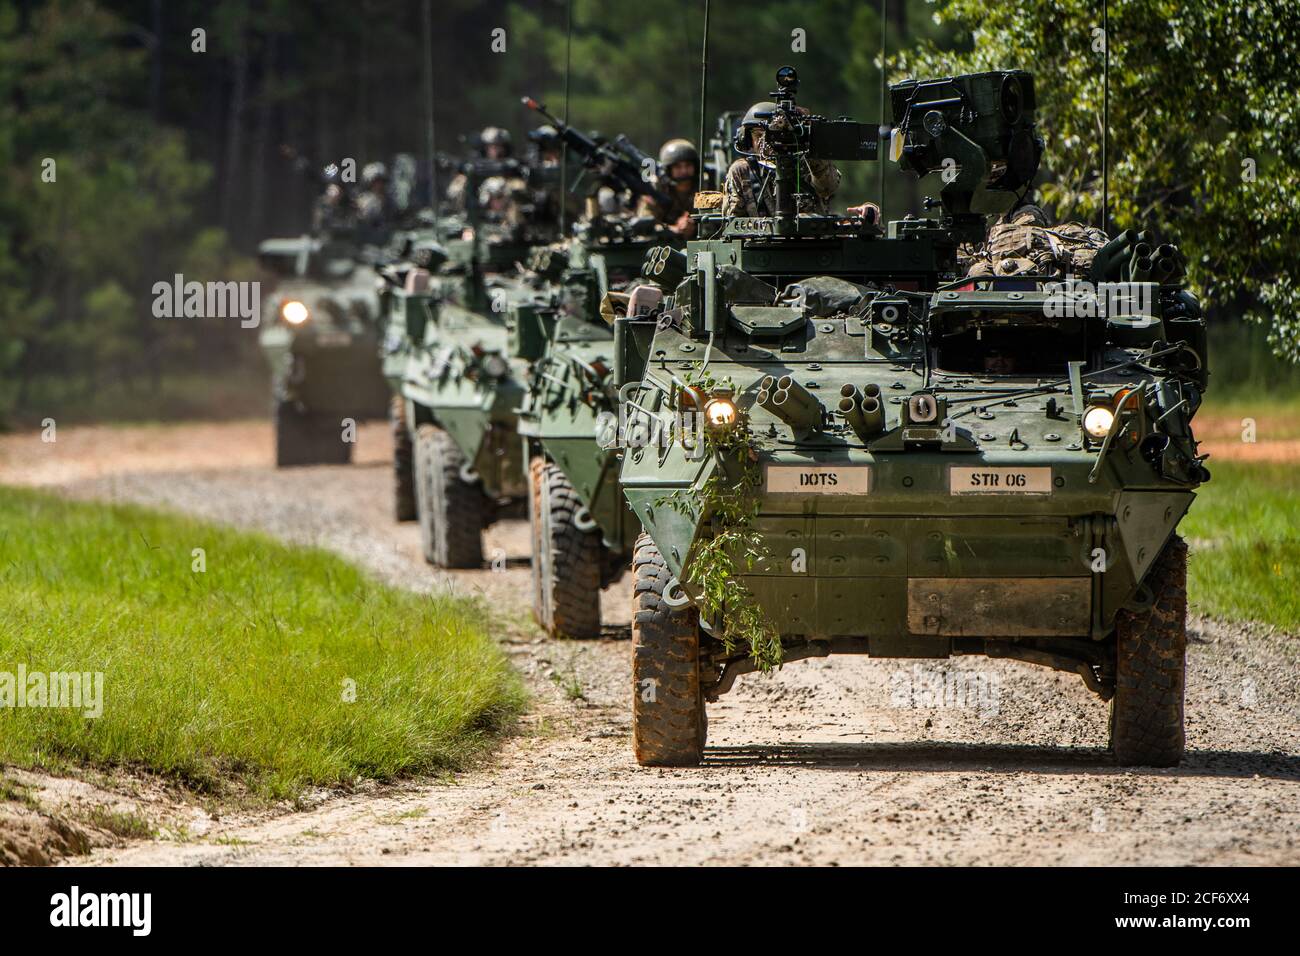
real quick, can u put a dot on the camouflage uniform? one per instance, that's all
(679, 203)
(750, 187)
(1021, 242)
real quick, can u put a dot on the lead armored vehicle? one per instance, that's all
(904, 462)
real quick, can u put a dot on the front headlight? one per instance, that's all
(295, 312)
(494, 366)
(1097, 421)
(719, 412)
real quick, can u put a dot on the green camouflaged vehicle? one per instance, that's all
(446, 347)
(320, 337)
(899, 461)
(582, 527)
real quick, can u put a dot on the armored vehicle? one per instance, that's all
(321, 340)
(903, 462)
(582, 527)
(446, 337)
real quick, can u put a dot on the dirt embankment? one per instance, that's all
(838, 761)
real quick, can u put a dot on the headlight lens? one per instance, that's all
(1097, 421)
(295, 312)
(720, 412)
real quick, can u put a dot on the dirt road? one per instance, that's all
(840, 761)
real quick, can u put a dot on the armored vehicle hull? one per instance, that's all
(582, 527)
(910, 474)
(458, 389)
(321, 341)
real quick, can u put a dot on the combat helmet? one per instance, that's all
(743, 142)
(495, 136)
(678, 151)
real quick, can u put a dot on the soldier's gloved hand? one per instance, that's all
(868, 211)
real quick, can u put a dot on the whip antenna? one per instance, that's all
(704, 87)
(430, 143)
(1105, 113)
(564, 152)
(884, 93)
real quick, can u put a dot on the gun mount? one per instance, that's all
(978, 133)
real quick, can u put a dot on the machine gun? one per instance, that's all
(610, 162)
(793, 135)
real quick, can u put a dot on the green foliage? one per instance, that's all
(237, 674)
(97, 204)
(1205, 131)
(729, 502)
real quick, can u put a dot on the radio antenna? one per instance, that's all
(430, 143)
(704, 88)
(564, 153)
(1105, 113)
(882, 150)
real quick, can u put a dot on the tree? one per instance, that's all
(1205, 131)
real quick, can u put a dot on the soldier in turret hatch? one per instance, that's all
(680, 161)
(375, 206)
(494, 145)
(750, 185)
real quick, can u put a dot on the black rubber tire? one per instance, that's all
(404, 507)
(450, 509)
(567, 561)
(1146, 713)
(669, 725)
(536, 466)
(302, 438)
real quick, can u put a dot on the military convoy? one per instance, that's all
(814, 434)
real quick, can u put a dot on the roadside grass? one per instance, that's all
(1245, 532)
(236, 678)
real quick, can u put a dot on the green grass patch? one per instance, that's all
(1245, 530)
(274, 669)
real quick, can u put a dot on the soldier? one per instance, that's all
(680, 161)
(750, 185)
(331, 211)
(494, 145)
(374, 205)
(548, 148)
